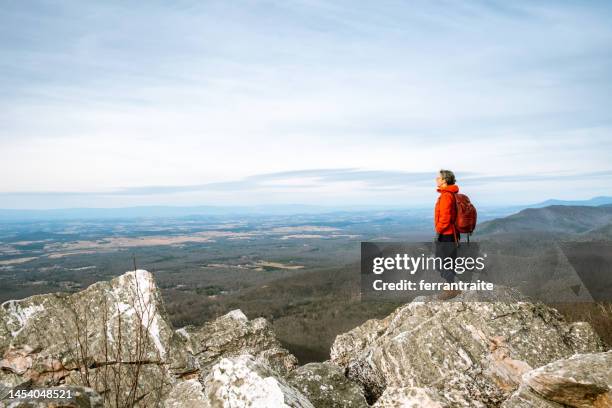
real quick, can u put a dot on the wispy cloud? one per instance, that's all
(194, 98)
(327, 185)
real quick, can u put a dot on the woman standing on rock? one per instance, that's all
(445, 214)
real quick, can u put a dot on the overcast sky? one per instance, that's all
(315, 102)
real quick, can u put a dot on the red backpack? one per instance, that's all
(465, 220)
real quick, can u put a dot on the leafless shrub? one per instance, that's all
(117, 371)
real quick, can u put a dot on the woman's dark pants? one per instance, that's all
(446, 248)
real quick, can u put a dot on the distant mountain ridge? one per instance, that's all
(595, 201)
(555, 218)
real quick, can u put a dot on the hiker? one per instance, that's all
(448, 237)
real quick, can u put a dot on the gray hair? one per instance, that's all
(448, 176)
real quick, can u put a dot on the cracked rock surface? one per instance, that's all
(462, 353)
(582, 380)
(113, 343)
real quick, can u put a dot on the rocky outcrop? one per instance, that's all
(111, 336)
(239, 381)
(460, 353)
(233, 335)
(114, 343)
(583, 380)
(116, 338)
(243, 381)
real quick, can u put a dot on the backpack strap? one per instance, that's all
(455, 220)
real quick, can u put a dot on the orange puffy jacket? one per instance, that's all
(446, 211)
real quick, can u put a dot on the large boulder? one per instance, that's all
(466, 349)
(112, 336)
(232, 335)
(243, 381)
(116, 338)
(581, 381)
(237, 381)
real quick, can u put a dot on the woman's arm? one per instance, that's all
(445, 216)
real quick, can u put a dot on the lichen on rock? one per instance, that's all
(115, 344)
(478, 350)
(243, 381)
(582, 381)
(116, 338)
(325, 385)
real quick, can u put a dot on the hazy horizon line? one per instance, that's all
(342, 207)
